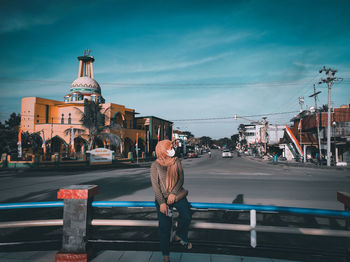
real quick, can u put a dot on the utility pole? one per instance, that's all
(265, 138)
(329, 81)
(317, 121)
(300, 127)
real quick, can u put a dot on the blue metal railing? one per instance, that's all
(198, 205)
(31, 205)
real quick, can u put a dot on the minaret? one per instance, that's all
(85, 64)
(85, 86)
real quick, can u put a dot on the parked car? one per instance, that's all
(226, 153)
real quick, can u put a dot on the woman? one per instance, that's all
(167, 180)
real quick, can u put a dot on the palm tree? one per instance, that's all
(113, 139)
(94, 120)
(73, 131)
(116, 127)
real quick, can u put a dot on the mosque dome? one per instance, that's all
(85, 85)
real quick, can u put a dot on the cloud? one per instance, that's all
(305, 65)
(24, 15)
(164, 66)
(210, 37)
(23, 22)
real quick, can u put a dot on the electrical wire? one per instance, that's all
(214, 84)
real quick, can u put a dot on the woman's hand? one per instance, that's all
(164, 208)
(171, 199)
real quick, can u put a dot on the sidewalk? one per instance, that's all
(296, 164)
(134, 256)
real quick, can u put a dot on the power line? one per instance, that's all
(232, 117)
(213, 84)
(40, 117)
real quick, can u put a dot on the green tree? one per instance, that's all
(324, 108)
(32, 142)
(226, 143)
(14, 122)
(9, 134)
(235, 139)
(94, 120)
(188, 134)
(206, 141)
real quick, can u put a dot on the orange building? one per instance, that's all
(59, 122)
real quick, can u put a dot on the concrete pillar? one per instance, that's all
(304, 153)
(91, 71)
(76, 220)
(80, 68)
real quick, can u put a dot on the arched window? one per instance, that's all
(69, 119)
(74, 97)
(62, 119)
(93, 98)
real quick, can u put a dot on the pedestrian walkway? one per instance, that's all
(134, 256)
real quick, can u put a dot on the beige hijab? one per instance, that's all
(163, 159)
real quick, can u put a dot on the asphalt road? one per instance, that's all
(213, 179)
(239, 180)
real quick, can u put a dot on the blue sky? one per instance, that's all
(179, 59)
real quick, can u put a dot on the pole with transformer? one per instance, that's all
(329, 81)
(317, 121)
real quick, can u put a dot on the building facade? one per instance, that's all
(259, 137)
(156, 129)
(304, 129)
(59, 122)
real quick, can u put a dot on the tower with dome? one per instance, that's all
(85, 86)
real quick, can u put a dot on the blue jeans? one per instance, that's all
(184, 220)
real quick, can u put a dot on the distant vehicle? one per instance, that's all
(226, 153)
(191, 153)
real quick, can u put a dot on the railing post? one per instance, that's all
(252, 226)
(76, 220)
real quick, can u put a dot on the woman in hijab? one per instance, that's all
(167, 180)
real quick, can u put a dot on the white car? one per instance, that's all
(226, 153)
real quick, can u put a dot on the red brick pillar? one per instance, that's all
(76, 221)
